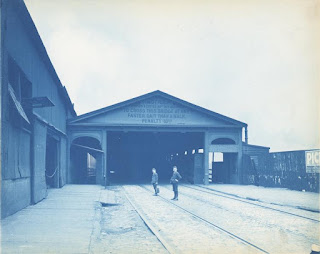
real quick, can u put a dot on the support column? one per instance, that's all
(105, 156)
(63, 162)
(68, 166)
(239, 169)
(239, 164)
(99, 169)
(206, 158)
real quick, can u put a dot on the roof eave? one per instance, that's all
(154, 93)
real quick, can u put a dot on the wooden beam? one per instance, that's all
(89, 148)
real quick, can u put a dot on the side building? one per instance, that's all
(34, 111)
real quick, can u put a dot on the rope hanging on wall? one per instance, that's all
(55, 171)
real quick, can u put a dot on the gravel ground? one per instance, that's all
(122, 230)
(185, 233)
(273, 231)
(273, 204)
(71, 220)
(281, 196)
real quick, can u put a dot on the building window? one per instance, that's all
(218, 157)
(20, 89)
(223, 141)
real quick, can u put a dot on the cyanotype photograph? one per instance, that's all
(156, 126)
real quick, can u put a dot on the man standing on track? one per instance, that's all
(174, 181)
(154, 181)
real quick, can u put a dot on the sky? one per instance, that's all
(257, 61)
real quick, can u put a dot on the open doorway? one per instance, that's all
(52, 162)
(132, 155)
(86, 157)
(223, 164)
(223, 167)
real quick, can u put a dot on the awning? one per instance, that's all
(38, 102)
(17, 104)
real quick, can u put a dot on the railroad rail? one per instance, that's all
(209, 223)
(153, 228)
(213, 192)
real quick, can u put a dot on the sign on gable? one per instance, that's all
(156, 111)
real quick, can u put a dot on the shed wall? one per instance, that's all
(23, 145)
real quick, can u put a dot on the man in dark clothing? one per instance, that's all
(154, 181)
(174, 181)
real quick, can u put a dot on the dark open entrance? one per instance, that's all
(223, 167)
(132, 155)
(86, 161)
(223, 164)
(52, 165)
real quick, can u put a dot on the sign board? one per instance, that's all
(157, 111)
(313, 161)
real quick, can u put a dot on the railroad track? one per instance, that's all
(213, 192)
(153, 228)
(230, 234)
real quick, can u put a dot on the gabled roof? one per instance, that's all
(22, 11)
(157, 93)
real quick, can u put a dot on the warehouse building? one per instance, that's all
(122, 142)
(34, 110)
